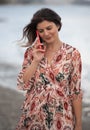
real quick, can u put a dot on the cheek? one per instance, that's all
(55, 32)
(42, 37)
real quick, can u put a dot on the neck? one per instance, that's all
(53, 46)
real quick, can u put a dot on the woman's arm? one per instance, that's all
(26, 77)
(77, 107)
(30, 71)
(76, 91)
(38, 54)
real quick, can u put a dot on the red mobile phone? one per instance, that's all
(41, 46)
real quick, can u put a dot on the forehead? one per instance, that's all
(45, 24)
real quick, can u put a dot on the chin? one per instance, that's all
(49, 41)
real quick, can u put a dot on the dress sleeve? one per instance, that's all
(26, 62)
(75, 82)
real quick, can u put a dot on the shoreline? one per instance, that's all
(10, 104)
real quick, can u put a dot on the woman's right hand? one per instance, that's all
(38, 52)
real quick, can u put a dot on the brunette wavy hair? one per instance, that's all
(29, 31)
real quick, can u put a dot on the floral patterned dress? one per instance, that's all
(49, 93)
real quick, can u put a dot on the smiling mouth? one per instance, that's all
(48, 38)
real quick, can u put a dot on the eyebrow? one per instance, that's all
(45, 27)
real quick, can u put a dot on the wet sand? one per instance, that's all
(10, 103)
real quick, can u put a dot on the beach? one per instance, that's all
(75, 31)
(11, 102)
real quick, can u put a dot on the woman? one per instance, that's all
(51, 76)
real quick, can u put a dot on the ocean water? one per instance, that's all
(75, 31)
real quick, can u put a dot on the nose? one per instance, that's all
(45, 32)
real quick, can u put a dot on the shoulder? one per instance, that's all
(71, 49)
(28, 52)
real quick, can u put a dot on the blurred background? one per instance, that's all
(14, 15)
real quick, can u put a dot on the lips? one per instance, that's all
(47, 38)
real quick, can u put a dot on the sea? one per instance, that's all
(75, 31)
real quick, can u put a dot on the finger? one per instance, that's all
(41, 50)
(40, 46)
(34, 43)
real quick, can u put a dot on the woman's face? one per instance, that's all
(48, 31)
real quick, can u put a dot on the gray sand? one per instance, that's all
(10, 103)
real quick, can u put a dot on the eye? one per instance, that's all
(49, 28)
(40, 31)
